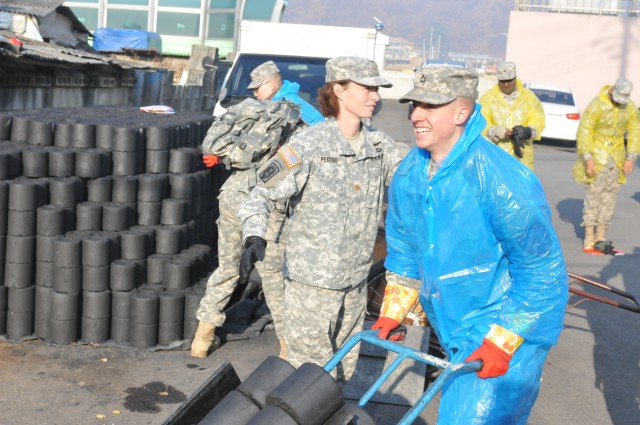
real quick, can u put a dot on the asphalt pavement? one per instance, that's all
(591, 377)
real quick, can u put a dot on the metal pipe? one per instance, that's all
(605, 287)
(604, 300)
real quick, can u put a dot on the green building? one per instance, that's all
(180, 23)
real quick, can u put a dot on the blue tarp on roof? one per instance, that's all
(114, 39)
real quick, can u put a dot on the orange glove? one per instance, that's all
(386, 325)
(210, 160)
(495, 362)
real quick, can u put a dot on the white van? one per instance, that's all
(307, 71)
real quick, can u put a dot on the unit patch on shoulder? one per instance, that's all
(289, 156)
(278, 167)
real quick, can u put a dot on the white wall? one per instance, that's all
(584, 52)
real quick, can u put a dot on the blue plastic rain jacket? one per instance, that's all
(289, 91)
(479, 238)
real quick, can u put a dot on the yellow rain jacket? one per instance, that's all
(601, 134)
(526, 111)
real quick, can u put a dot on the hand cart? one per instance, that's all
(403, 353)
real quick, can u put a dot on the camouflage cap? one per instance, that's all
(437, 85)
(506, 71)
(622, 91)
(261, 73)
(359, 70)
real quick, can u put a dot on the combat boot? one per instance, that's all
(600, 233)
(283, 349)
(589, 238)
(204, 340)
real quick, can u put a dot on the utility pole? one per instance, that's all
(431, 43)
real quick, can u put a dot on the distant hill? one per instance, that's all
(463, 26)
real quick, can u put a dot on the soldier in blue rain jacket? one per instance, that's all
(469, 233)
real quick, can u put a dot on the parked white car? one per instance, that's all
(562, 114)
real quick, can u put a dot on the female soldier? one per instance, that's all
(334, 175)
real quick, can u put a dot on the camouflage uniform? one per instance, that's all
(222, 282)
(335, 197)
(601, 138)
(601, 195)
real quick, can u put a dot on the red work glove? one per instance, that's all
(210, 160)
(495, 362)
(386, 325)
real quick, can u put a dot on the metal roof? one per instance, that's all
(50, 53)
(30, 7)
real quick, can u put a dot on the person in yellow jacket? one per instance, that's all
(514, 115)
(603, 161)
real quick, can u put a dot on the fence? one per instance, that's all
(629, 8)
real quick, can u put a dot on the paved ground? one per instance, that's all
(591, 377)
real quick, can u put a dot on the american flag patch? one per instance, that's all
(289, 156)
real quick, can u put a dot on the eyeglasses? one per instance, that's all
(506, 81)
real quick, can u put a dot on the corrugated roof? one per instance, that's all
(51, 53)
(30, 7)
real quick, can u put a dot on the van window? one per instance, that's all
(309, 72)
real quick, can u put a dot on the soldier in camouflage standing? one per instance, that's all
(603, 161)
(515, 118)
(267, 84)
(222, 282)
(334, 175)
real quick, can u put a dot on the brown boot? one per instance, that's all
(204, 340)
(283, 350)
(589, 238)
(600, 233)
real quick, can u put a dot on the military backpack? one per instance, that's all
(251, 132)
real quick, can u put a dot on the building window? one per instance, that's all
(88, 17)
(183, 24)
(129, 2)
(223, 4)
(180, 3)
(127, 19)
(258, 10)
(221, 25)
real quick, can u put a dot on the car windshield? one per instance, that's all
(553, 96)
(307, 71)
(440, 62)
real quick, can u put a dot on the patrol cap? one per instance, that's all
(506, 71)
(437, 85)
(261, 73)
(359, 70)
(622, 91)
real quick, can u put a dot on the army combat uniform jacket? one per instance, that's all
(336, 199)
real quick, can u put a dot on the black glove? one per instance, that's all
(254, 248)
(519, 136)
(523, 133)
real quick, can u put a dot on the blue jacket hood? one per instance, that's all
(289, 91)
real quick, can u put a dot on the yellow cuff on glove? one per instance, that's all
(398, 301)
(506, 340)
